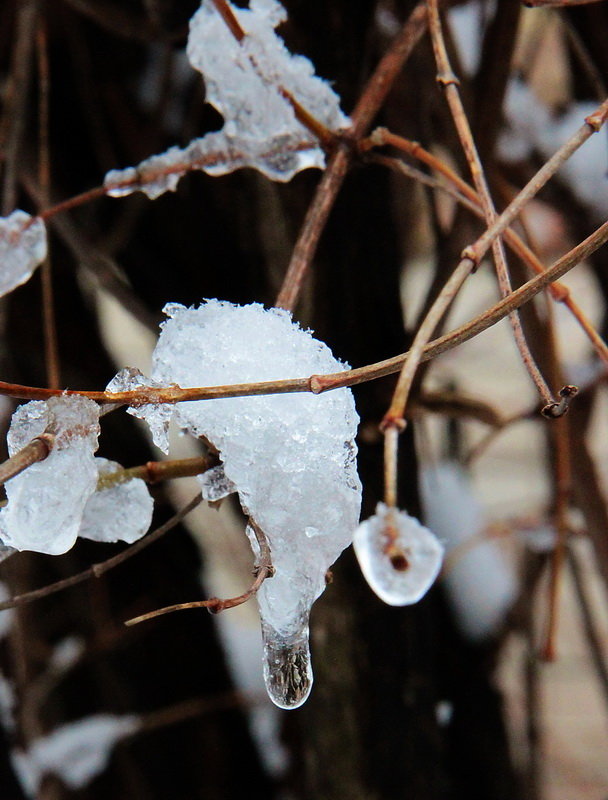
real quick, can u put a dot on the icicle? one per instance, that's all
(287, 670)
(403, 576)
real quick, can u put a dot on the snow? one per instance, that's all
(46, 501)
(157, 416)
(245, 81)
(76, 753)
(479, 580)
(531, 127)
(420, 547)
(22, 249)
(292, 457)
(121, 512)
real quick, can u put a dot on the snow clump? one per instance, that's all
(292, 457)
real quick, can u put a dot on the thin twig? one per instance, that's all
(33, 452)
(323, 383)
(153, 472)
(97, 570)
(371, 100)
(215, 605)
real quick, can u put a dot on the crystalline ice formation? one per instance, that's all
(242, 79)
(156, 415)
(245, 82)
(76, 753)
(46, 502)
(406, 580)
(215, 485)
(22, 249)
(292, 457)
(120, 512)
(480, 582)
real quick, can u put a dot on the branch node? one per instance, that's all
(392, 422)
(446, 79)
(556, 410)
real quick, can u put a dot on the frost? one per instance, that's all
(156, 415)
(22, 249)
(76, 753)
(479, 580)
(121, 512)
(292, 457)
(215, 485)
(407, 580)
(246, 82)
(46, 502)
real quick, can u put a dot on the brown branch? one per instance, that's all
(322, 383)
(97, 570)
(214, 605)
(156, 471)
(33, 452)
(371, 100)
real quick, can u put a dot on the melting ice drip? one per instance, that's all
(290, 457)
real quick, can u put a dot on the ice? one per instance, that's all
(479, 580)
(405, 575)
(75, 753)
(46, 501)
(22, 248)
(215, 485)
(245, 81)
(120, 512)
(156, 415)
(242, 79)
(292, 457)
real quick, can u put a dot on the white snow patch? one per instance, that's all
(22, 248)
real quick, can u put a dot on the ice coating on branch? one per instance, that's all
(116, 512)
(479, 580)
(76, 753)
(278, 157)
(416, 553)
(46, 501)
(22, 249)
(215, 485)
(242, 79)
(292, 456)
(245, 81)
(156, 415)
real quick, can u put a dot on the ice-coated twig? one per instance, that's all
(36, 450)
(324, 383)
(262, 570)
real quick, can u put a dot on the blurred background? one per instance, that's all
(450, 698)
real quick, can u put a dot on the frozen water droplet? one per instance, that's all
(157, 415)
(406, 576)
(287, 670)
(215, 485)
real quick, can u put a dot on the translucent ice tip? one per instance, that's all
(287, 669)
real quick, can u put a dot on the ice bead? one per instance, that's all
(22, 248)
(242, 79)
(157, 415)
(292, 457)
(405, 580)
(119, 512)
(46, 501)
(287, 669)
(480, 582)
(215, 485)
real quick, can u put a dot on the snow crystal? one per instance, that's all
(22, 249)
(157, 416)
(121, 512)
(215, 485)
(292, 457)
(76, 753)
(480, 582)
(46, 501)
(403, 583)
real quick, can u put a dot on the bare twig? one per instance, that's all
(214, 605)
(36, 450)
